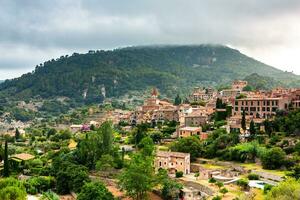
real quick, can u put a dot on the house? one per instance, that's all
(239, 85)
(172, 161)
(18, 160)
(76, 127)
(195, 119)
(189, 131)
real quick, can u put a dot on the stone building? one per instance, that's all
(172, 161)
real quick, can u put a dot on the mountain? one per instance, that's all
(257, 82)
(172, 69)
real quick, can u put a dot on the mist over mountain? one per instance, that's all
(171, 68)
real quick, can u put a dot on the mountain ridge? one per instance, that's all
(111, 73)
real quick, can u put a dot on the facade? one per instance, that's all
(189, 131)
(202, 94)
(239, 85)
(195, 120)
(264, 107)
(172, 161)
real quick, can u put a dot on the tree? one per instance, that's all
(138, 178)
(295, 172)
(190, 145)
(219, 184)
(243, 183)
(146, 146)
(179, 174)
(252, 129)
(95, 191)
(170, 189)
(12, 189)
(107, 133)
(49, 195)
(243, 122)
(106, 162)
(71, 177)
(6, 162)
(223, 191)
(17, 134)
(178, 100)
(273, 158)
(268, 127)
(285, 190)
(140, 133)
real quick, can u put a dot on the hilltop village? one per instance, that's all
(235, 143)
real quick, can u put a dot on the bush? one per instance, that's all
(253, 177)
(217, 198)
(273, 158)
(219, 184)
(267, 188)
(212, 180)
(243, 183)
(179, 174)
(223, 190)
(39, 184)
(197, 174)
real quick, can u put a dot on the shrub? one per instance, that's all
(253, 177)
(219, 184)
(197, 174)
(217, 198)
(223, 190)
(267, 188)
(212, 180)
(39, 184)
(179, 174)
(243, 183)
(273, 158)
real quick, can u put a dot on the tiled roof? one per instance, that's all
(23, 156)
(169, 153)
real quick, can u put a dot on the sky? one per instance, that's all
(34, 31)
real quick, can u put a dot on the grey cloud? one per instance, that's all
(74, 25)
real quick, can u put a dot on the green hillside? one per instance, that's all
(170, 68)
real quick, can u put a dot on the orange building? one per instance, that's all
(189, 131)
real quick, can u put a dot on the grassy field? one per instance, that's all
(254, 166)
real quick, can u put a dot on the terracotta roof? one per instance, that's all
(169, 153)
(188, 128)
(23, 156)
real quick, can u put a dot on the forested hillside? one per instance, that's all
(170, 68)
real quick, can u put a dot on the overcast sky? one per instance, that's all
(33, 31)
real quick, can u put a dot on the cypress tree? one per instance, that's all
(243, 122)
(252, 128)
(178, 100)
(17, 135)
(6, 164)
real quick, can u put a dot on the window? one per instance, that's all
(258, 103)
(268, 109)
(160, 164)
(236, 108)
(236, 103)
(263, 109)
